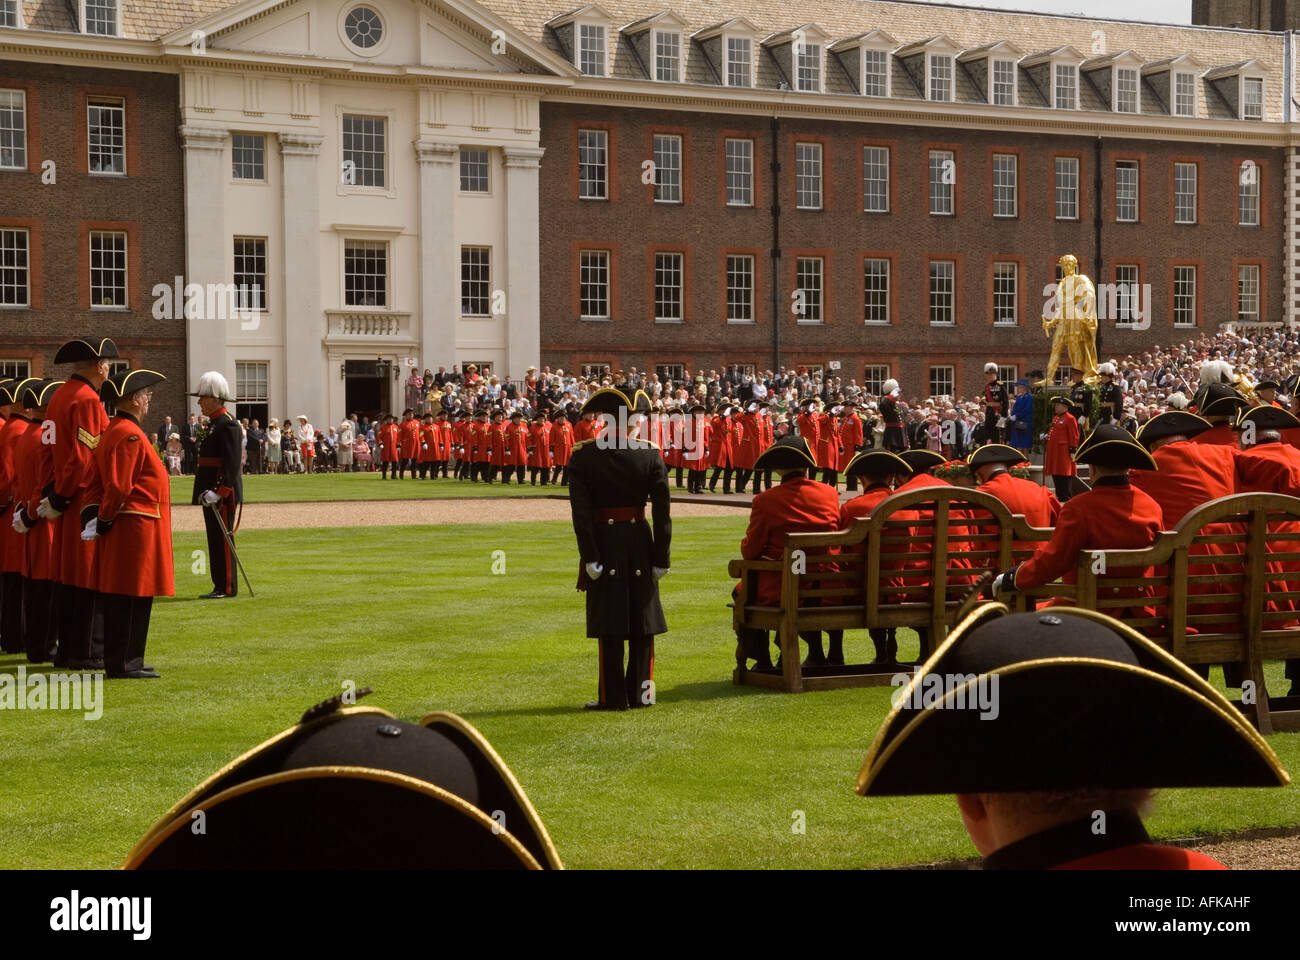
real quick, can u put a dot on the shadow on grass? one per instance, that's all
(707, 690)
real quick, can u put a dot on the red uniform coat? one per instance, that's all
(539, 450)
(1144, 856)
(722, 439)
(1110, 516)
(408, 441)
(956, 519)
(388, 443)
(496, 433)
(769, 432)
(850, 439)
(40, 545)
(480, 442)
(561, 442)
(135, 554)
(585, 429)
(827, 451)
(862, 506)
(696, 436)
(516, 444)
(1275, 468)
(807, 423)
(442, 431)
(1222, 434)
(13, 546)
(795, 505)
(1061, 439)
(430, 443)
(459, 438)
(79, 420)
(1036, 504)
(673, 430)
(750, 442)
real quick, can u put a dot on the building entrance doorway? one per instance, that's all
(364, 387)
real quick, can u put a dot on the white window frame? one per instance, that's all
(745, 176)
(1248, 216)
(874, 376)
(666, 191)
(878, 291)
(807, 51)
(386, 188)
(1008, 372)
(931, 79)
(580, 48)
(660, 59)
(1136, 199)
(994, 63)
(1180, 166)
(1014, 293)
(260, 375)
(242, 291)
(607, 265)
(1073, 76)
(951, 379)
(1126, 290)
(749, 264)
(951, 292)
(803, 174)
(487, 170)
(22, 368)
(944, 190)
(1074, 189)
(884, 75)
(389, 285)
(126, 269)
(1173, 96)
(728, 62)
(1119, 73)
(468, 253)
(234, 164)
(117, 19)
(1188, 296)
(22, 111)
(17, 6)
(667, 265)
(107, 103)
(866, 179)
(602, 165)
(26, 268)
(1242, 101)
(1248, 278)
(1014, 186)
(820, 289)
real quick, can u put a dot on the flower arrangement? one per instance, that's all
(955, 471)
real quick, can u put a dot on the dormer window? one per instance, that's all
(668, 56)
(99, 17)
(940, 77)
(740, 62)
(1065, 86)
(875, 73)
(867, 59)
(1252, 98)
(1126, 90)
(11, 13)
(1184, 97)
(808, 71)
(591, 49)
(1002, 83)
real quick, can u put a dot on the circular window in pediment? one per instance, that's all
(363, 28)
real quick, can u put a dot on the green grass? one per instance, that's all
(710, 777)
(312, 488)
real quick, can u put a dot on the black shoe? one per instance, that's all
(214, 595)
(85, 664)
(597, 705)
(146, 673)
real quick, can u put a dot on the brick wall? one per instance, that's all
(633, 227)
(147, 204)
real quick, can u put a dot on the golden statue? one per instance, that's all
(1074, 317)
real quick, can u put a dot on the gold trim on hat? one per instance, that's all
(151, 842)
(1131, 444)
(481, 742)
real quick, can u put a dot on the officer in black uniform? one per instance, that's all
(622, 556)
(893, 440)
(218, 484)
(1110, 395)
(1081, 400)
(996, 405)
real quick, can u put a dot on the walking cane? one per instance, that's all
(230, 543)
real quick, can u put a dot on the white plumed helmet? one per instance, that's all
(213, 384)
(889, 387)
(1177, 401)
(990, 367)
(1107, 369)
(1216, 371)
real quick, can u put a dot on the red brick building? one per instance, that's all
(915, 228)
(92, 215)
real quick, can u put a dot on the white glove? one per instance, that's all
(594, 570)
(46, 511)
(91, 531)
(19, 526)
(997, 584)
(659, 572)
(210, 497)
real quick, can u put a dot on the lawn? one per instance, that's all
(710, 777)
(317, 487)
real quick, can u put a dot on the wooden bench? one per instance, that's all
(1192, 588)
(888, 574)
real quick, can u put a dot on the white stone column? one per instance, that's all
(304, 352)
(522, 259)
(205, 248)
(435, 320)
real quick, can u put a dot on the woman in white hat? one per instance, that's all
(306, 443)
(273, 452)
(345, 441)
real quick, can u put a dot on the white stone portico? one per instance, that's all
(291, 79)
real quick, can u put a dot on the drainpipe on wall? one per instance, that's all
(776, 246)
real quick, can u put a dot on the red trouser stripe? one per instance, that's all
(600, 648)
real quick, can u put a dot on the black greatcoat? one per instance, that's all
(224, 442)
(624, 600)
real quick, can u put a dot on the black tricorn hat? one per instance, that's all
(610, 400)
(516, 415)
(7, 390)
(37, 393)
(1290, 383)
(83, 350)
(1172, 423)
(994, 453)
(1268, 417)
(1219, 400)
(1268, 383)
(353, 787)
(128, 382)
(1110, 445)
(699, 408)
(481, 412)
(877, 463)
(18, 390)
(1061, 699)
(788, 453)
(922, 460)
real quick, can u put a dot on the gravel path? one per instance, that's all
(372, 513)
